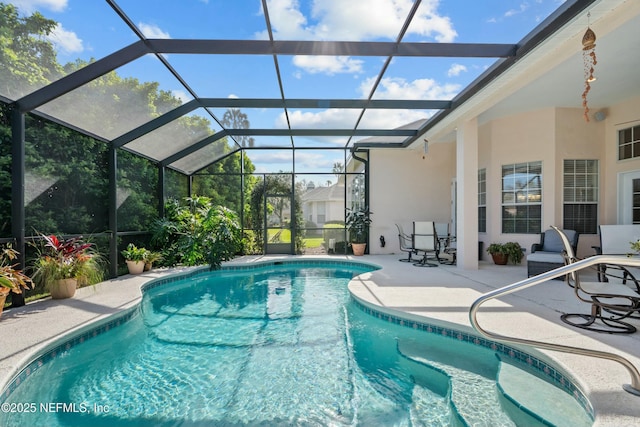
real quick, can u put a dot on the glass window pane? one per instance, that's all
(522, 204)
(580, 213)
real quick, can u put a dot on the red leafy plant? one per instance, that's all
(66, 259)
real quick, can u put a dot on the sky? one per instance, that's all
(91, 29)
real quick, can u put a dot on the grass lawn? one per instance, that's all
(313, 242)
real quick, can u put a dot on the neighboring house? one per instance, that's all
(323, 204)
(517, 155)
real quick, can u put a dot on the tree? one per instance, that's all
(67, 172)
(233, 118)
(27, 59)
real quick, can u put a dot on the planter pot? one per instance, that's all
(4, 292)
(135, 267)
(500, 259)
(63, 288)
(148, 266)
(358, 248)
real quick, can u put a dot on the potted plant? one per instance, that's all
(505, 252)
(11, 279)
(135, 257)
(357, 223)
(149, 258)
(63, 264)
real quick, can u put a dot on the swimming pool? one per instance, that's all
(272, 345)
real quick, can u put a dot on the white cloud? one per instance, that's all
(182, 95)
(399, 88)
(328, 64)
(271, 160)
(326, 119)
(66, 41)
(346, 119)
(389, 88)
(456, 69)
(152, 31)
(29, 6)
(355, 21)
(390, 119)
(314, 160)
(511, 12)
(429, 23)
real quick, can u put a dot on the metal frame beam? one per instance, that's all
(82, 76)
(322, 132)
(332, 48)
(193, 148)
(409, 104)
(155, 123)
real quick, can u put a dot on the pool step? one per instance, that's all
(428, 411)
(548, 404)
(475, 397)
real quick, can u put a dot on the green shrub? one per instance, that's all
(195, 232)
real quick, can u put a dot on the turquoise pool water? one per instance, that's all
(274, 346)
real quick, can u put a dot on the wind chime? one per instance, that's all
(589, 59)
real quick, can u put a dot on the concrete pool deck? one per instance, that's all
(442, 293)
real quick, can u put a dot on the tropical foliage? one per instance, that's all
(67, 259)
(357, 223)
(195, 232)
(11, 277)
(134, 253)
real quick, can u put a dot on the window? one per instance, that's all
(581, 195)
(482, 200)
(522, 198)
(636, 201)
(629, 143)
(322, 209)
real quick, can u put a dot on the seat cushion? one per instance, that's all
(548, 257)
(609, 289)
(553, 242)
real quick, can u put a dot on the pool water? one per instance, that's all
(276, 346)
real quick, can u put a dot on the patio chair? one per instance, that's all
(425, 240)
(547, 254)
(451, 249)
(406, 244)
(615, 239)
(446, 244)
(610, 302)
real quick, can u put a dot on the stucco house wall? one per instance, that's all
(620, 116)
(405, 187)
(417, 188)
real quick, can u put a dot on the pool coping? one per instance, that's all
(30, 352)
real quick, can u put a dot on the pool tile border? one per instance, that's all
(504, 352)
(66, 345)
